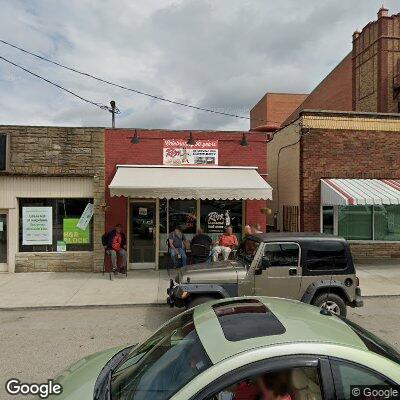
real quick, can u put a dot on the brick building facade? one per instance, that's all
(376, 65)
(275, 108)
(119, 151)
(344, 147)
(60, 169)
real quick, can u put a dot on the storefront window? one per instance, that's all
(355, 222)
(177, 213)
(327, 219)
(387, 222)
(217, 214)
(378, 222)
(182, 214)
(51, 225)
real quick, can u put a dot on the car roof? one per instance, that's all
(302, 324)
(295, 236)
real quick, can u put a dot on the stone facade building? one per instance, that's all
(55, 171)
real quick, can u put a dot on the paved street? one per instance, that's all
(38, 344)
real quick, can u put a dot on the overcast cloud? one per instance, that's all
(221, 54)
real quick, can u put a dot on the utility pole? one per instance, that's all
(114, 110)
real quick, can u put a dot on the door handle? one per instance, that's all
(292, 271)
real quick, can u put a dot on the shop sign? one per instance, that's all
(73, 234)
(143, 211)
(61, 246)
(86, 216)
(217, 221)
(37, 225)
(178, 152)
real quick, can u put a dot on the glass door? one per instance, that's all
(3, 242)
(142, 234)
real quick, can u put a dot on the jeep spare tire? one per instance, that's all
(332, 302)
(197, 300)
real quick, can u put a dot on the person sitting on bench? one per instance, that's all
(176, 244)
(116, 246)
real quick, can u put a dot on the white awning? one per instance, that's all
(152, 181)
(359, 191)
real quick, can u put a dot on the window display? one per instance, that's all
(53, 224)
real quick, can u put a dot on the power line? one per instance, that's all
(102, 106)
(130, 89)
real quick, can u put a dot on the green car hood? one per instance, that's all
(79, 379)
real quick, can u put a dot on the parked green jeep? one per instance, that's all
(315, 268)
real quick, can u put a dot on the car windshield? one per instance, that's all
(247, 250)
(163, 364)
(373, 343)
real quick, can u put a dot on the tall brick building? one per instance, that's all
(367, 79)
(337, 171)
(376, 65)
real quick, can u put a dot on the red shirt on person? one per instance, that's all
(116, 244)
(228, 240)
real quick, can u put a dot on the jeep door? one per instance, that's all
(279, 274)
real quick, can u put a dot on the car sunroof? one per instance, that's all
(246, 319)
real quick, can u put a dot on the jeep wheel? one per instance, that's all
(197, 300)
(332, 302)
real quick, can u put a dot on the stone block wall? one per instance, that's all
(73, 261)
(60, 152)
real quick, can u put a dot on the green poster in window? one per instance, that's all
(74, 235)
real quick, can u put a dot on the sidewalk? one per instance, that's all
(145, 287)
(78, 289)
(379, 279)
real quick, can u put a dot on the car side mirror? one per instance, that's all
(258, 271)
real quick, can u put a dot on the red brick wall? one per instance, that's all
(274, 107)
(119, 150)
(342, 154)
(333, 93)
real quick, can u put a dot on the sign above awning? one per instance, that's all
(359, 191)
(156, 181)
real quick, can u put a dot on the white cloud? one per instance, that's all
(221, 54)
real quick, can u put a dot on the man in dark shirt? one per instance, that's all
(203, 240)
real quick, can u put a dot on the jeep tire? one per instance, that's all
(333, 302)
(197, 300)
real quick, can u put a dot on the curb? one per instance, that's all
(133, 305)
(88, 306)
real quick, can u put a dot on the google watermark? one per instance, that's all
(43, 390)
(375, 392)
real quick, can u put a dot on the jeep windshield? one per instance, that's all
(247, 250)
(163, 364)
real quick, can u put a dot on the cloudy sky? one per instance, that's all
(219, 54)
